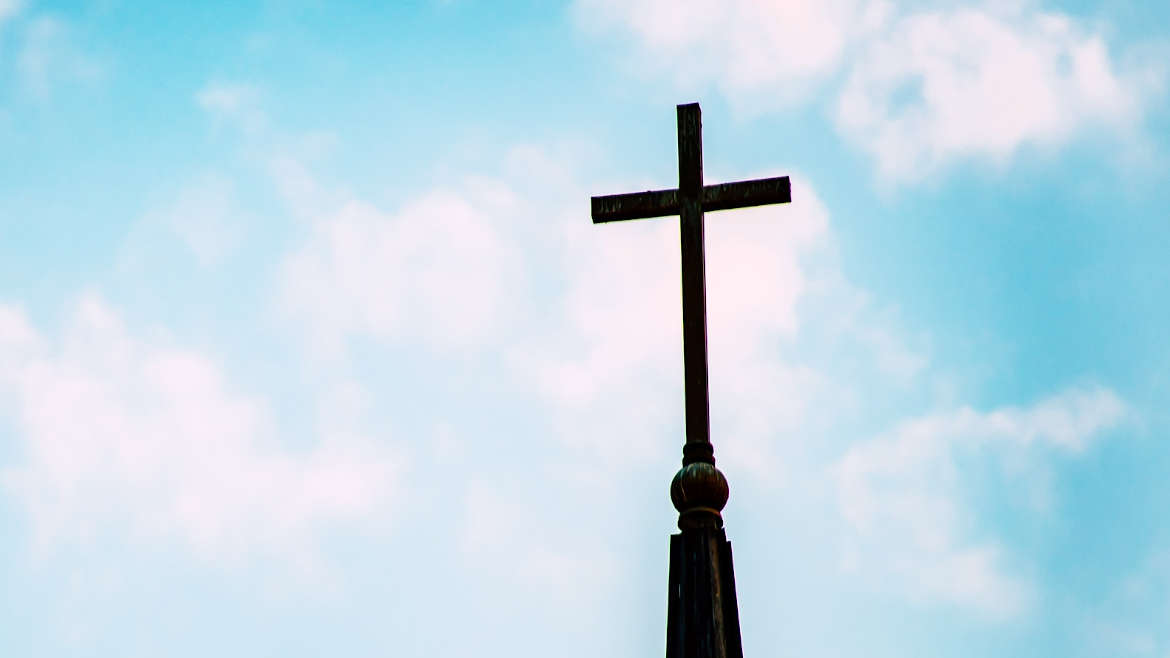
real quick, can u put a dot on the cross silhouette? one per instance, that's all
(689, 201)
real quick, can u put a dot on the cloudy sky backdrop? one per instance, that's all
(308, 346)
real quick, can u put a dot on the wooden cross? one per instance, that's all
(689, 201)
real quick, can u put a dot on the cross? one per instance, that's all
(689, 201)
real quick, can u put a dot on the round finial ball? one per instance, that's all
(699, 486)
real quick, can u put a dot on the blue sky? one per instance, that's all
(308, 345)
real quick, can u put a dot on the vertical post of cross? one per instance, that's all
(694, 287)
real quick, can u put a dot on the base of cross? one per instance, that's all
(702, 616)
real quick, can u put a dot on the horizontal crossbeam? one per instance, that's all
(636, 205)
(660, 203)
(760, 192)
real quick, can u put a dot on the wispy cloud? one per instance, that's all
(50, 55)
(234, 102)
(204, 217)
(9, 8)
(761, 55)
(122, 433)
(923, 89)
(436, 271)
(905, 496)
(947, 85)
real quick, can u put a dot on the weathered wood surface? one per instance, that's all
(694, 274)
(759, 192)
(662, 203)
(702, 614)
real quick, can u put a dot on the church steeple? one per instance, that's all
(702, 613)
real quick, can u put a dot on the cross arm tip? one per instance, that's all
(638, 205)
(759, 192)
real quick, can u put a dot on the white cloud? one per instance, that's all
(500, 528)
(204, 216)
(301, 192)
(612, 354)
(9, 8)
(226, 98)
(922, 89)
(119, 433)
(236, 102)
(16, 334)
(50, 54)
(771, 51)
(208, 220)
(945, 85)
(437, 271)
(903, 494)
(1129, 618)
